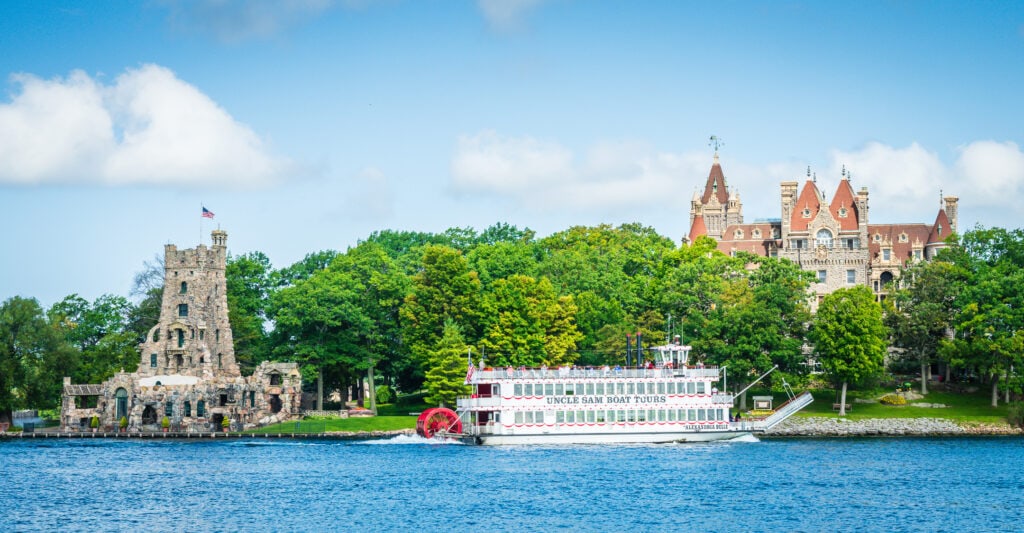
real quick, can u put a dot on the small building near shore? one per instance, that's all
(187, 370)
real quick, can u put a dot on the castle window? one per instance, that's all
(169, 408)
(152, 360)
(252, 398)
(738, 234)
(200, 408)
(156, 335)
(188, 408)
(822, 276)
(182, 310)
(842, 212)
(202, 334)
(216, 335)
(756, 234)
(275, 378)
(806, 213)
(917, 254)
(903, 237)
(850, 243)
(824, 238)
(878, 237)
(219, 357)
(939, 230)
(775, 233)
(193, 336)
(181, 339)
(184, 287)
(798, 244)
(886, 254)
(851, 277)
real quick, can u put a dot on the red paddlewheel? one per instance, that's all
(438, 419)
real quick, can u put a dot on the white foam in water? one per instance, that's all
(745, 438)
(409, 439)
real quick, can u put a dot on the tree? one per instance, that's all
(447, 366)
(445, 289)
(249, 280)
(34, 358)
(101, 333)
(526, 323)
(920, 311)
(849, 337)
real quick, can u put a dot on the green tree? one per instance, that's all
(34, 358)
(101, 332)
(447, 363)
(920, 311)
(250, 280)
(849, 337)
(445, 289)
(528, 324)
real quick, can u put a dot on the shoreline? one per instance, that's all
(888, 427)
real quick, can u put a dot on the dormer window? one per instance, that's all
(878, 237)
(886, 253)
(903, 237)
(756, 234)
(738, 234)
(939, 230)
(843, 212)
(806, 213)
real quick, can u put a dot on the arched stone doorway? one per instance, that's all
(149, 415)
(275, 403)
(121, 401)
(885, 278)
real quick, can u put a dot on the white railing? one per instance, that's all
(593, 373)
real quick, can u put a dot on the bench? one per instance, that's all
(836, 406)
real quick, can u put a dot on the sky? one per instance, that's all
(306, 125)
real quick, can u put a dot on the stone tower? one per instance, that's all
(716, 208)
(193, 336)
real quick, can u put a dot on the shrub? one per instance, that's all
(1015, 414)
(893, 399)
(123, 423)
(225, 422)
(165, 423)
(94, 422)
(384, 394)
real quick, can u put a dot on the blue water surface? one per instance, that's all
(407, 484)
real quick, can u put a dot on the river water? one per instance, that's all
(407, 484)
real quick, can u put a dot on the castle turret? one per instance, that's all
(193, 336)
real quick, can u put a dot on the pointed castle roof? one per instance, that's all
(810, 200)
(715, 185)
(697, 228)
(941, 229)
(845, 199)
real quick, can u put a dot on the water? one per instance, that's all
(407, 484)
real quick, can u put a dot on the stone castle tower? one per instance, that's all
(193, 336)
(714, 210)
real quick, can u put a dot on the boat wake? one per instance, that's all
(745, 438)
(410, 439)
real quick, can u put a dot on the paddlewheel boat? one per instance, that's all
(667, 401)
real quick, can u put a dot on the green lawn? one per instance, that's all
(355, 424)
(961, 407)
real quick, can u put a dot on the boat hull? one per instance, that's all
(604, 438)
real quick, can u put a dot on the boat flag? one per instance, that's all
(469, 373)
(207, 213)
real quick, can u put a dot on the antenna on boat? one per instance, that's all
(629, 350)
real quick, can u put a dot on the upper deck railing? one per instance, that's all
(593, 373)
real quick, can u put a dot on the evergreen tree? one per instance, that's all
(447, 366)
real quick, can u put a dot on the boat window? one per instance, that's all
(691, 415)
(529, 417)
(559, 389)
(640, 416)
(671, 387)
(689, 388)
(599, 415)
(661, 387)
(590, 389)
(581, 417)
(559, 417)
(519, 417)
(632, 415)
(590, 417)
(700, 415)
(549, 389)
(599, 389)
(650, 388)
(700, 387)
(652, 415)
(528, 389)
(630, 388)
(671, 415)
(518, 388)
(661, 415)
(570, 417)
(620, 388)
(622, 415)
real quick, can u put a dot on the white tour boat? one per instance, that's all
(668, 401)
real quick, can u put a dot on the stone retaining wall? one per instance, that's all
(841, 427)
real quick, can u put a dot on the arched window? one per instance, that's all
(184, 287)
(188, 408)
(181, 338)
(200, 408)
(121, 397)
(824, 238)
(885, 278)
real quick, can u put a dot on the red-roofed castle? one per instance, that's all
(832, 238)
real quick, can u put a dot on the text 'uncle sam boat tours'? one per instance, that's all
(668, 401)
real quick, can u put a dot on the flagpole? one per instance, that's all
(201, 217)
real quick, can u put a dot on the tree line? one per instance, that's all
(416, 306)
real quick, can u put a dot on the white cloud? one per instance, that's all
(148, 127)
(239, 20)
(992, 170)
(545, 176)
(369, 196)
(506, 15)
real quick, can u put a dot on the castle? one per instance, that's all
(832, 238)
(187, 371)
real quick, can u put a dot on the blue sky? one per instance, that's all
(307, 124)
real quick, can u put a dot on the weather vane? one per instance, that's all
(715, 142)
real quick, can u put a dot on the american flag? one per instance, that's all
(469, 373)
(207, 213)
